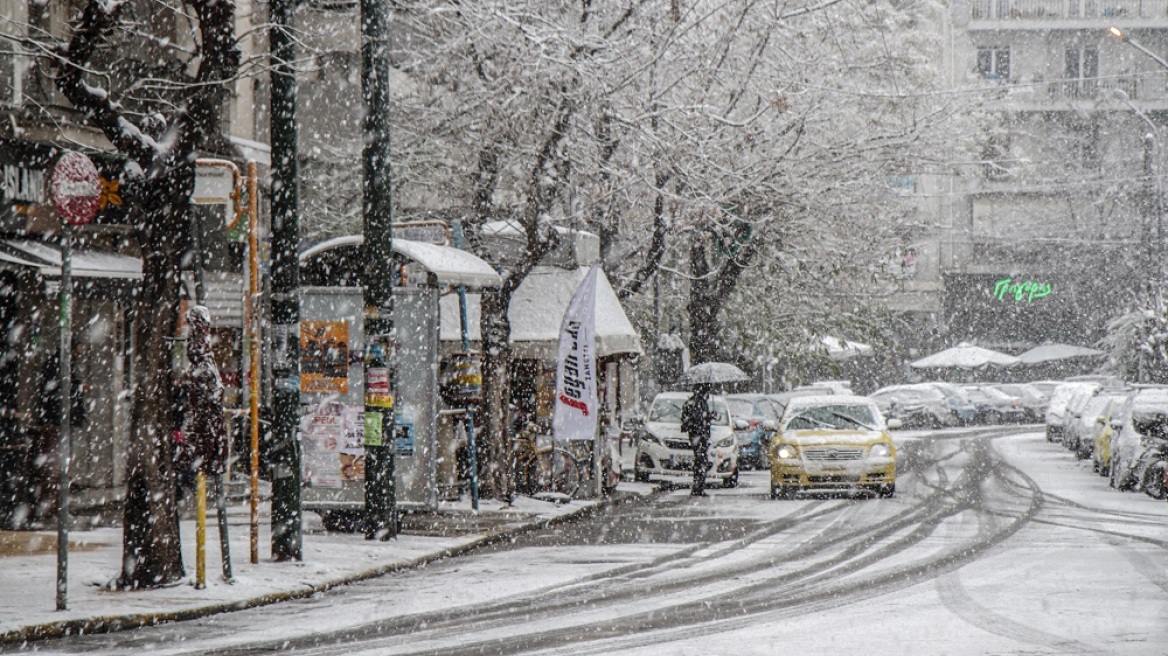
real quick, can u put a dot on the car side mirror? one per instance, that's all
(770, 424)
(741, 424)
(895, 424)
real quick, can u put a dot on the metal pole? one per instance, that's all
(472, 457)
(287, 538)
(377, 213)
(253, 374)
(65, 437)
(200, 531)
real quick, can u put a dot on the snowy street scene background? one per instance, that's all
(521, 326)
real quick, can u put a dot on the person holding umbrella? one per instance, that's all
(695, 420)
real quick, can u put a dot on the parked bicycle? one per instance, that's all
(543, 467)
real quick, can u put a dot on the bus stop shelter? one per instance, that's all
(332, 368)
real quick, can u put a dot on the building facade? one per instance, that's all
(36, 125)
(1055, 226)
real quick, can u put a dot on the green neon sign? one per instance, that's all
(1027, 290)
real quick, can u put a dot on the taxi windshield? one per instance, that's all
(832, 417)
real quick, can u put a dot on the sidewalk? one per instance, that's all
(28, 561)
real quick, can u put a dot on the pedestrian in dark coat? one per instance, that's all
(695, 420)
(206, 427)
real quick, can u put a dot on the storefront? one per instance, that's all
(103, 286)
(1020, 309)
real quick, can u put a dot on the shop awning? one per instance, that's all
(86, 263)
(451, 266)
(538, 307)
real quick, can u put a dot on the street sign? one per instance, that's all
(75, 188)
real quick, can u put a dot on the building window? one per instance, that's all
(995, 157)
(993, 63)
(1081, 77)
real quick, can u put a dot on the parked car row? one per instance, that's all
(938, 405)
(1123, 430)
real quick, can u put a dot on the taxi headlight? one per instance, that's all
(879, 451)
(785, 451)
(725, 442)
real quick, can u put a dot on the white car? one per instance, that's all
(664, 451)
(1057, 416)
(1140, 449)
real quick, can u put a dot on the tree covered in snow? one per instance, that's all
(742, 150)
(1137, 345)
(152, 78)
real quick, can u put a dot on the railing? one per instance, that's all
(1067, 9)
(1146, 87)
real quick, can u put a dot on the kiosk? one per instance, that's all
(332, 358)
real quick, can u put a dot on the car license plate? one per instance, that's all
(676, 462)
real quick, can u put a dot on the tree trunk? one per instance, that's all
(702, 308)
(494, 453)
(151, 553)
(709, 288)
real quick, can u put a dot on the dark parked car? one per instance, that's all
(994, 407)
(762, 414)
(920, 406)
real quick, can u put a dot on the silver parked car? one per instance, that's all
(921, 405)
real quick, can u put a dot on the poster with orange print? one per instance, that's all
(324, 357)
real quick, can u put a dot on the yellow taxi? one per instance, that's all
(833, 443)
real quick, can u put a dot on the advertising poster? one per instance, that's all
(403, 434)
(324, 357)
(332, 435)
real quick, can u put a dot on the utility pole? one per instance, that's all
(287, 540)
(1150, 206)
(377, 215)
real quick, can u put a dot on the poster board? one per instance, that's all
(332, 422)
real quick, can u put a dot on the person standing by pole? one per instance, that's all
(207, 428)
(695, 420)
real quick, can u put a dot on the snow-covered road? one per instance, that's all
(996, 543)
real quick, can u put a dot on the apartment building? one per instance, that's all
(1056, 226)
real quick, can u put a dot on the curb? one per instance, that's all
(114, 623)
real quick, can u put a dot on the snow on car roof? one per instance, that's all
(829, 399)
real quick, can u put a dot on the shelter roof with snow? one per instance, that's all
(338, 262)
(537, 309)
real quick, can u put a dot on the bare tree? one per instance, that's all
(159, 124)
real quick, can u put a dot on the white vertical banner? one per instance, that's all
(576, 406)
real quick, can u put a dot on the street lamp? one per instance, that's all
(1124, 38)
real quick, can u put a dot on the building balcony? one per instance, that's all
(1148, 91)
(1047, 14)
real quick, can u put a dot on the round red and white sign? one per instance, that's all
(76, 188)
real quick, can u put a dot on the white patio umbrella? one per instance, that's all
(712, 373)
(1050, 352)
(965, 356)
(840, 350)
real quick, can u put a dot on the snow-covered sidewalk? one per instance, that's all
(28, 565)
